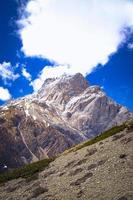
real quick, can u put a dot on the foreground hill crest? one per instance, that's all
(100, 168)
(64, 112)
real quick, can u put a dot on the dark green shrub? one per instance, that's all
(26, 171)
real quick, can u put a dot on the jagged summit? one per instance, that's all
(64, 112)
(76, 82)
(60, 90)
(65, 78)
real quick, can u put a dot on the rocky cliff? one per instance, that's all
(64, 112)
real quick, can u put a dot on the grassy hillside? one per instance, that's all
(102, 136)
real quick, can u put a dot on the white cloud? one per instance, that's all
(7, 72)
(26, 74)
(74, 32)
(4, 94)
(130, 45)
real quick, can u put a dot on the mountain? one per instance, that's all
(99, 169)
(64, 112)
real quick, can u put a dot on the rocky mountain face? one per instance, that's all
(101, 171)
(64, 112)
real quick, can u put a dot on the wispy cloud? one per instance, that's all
(26, 74)
(77, 33)
(7, 72)
(4, 94)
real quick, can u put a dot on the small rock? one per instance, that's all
(122, 156)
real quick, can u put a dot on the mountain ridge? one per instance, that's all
(64, 112)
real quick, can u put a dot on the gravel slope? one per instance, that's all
(98, 172)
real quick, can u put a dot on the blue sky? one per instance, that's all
(39, 41)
